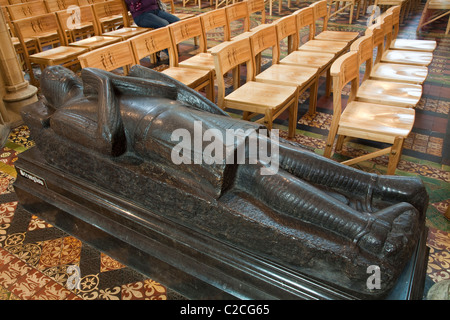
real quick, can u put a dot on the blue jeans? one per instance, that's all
(155, 19)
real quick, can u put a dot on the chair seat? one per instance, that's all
(407, 57)
(190, 77)
(126, 32)
(202, 60)
(95, 42)
(56, 55)
(413, 45)
(345, 36)
(376, 122)
(287, 75)
(333, 47)
(399, 72)
(258, 97)
(388, 92)
(305, 58)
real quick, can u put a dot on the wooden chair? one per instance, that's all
(78, 23)
(253, 98)
(189, 29)
(159, 39)
(386, 71)
(113, 20)
(302, 77)
(81, 31)
(407, 44)
(215, 21)
(320, 12)
(439, 9)
(346, 4)
(109, 15)
(419, 58)
(257, 7)
(27, 9)
(287, 30)
(58, 5)
(383, 90)
(305, 18)
(381, 123)
(110, 58)
(37, 26)
(237, 12)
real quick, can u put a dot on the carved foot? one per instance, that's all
(391, 232)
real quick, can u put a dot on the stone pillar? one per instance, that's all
(17, 92)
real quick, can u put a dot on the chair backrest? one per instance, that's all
(395, 20)
(287, 28)
(108, 9)
(305, 18)
(37, 26)
(257, 6)
(57, 5)
(386, 23)
(344, 70)
(111, 57)
(377, 39)
(187, 29)
(364, 47)
(148, 43)
(214, 19)
(237, 12)
(263, 39)
(25, 10)
(320, 11)
(75, 18)
(229, 57)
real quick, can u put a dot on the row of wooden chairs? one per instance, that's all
(267, 93)
(66, 38)
(381, 105)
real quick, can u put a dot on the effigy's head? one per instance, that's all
(59, 85)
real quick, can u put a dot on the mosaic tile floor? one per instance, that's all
(39, 261)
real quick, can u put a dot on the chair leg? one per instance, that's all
(394, 155)
(313, 96)
(339, 142)
(210, 89)
(328, 83)
(351, 14)
(448, 26)
(331, 136)
(293, 111)
(268, 119)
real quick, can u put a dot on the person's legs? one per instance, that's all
(150, 19)
(170, 18)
